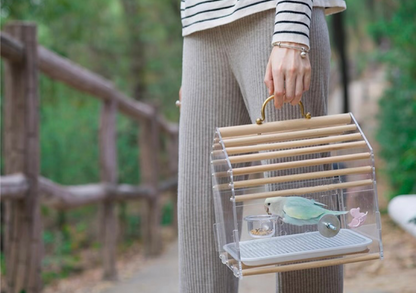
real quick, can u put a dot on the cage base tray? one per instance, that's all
(297, 247)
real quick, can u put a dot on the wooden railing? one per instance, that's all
(23, 190)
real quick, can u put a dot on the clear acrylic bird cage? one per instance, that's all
(294, 194)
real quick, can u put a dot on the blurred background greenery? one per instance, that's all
(397, 129)
(381, 36)
(137, 45)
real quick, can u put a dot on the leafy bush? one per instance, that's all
(397, 126)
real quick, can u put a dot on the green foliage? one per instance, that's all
(2, 263)
(68, 134)
(64, 244)
(127, 150)
(167, 214)
(104, 43)
(397, 130)
(102, 36)
(133, 227)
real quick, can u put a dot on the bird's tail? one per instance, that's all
(336, 213)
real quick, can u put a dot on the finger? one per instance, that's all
(284, 92)
(279, 91)
(268, 79)
(290, 88)
(307, 79)
(298, 90)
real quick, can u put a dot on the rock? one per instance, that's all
(402, 209)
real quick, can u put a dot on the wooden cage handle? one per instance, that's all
(260, 121)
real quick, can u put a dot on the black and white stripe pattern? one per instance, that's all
(292, 16)
(292, 21)
(199, 15)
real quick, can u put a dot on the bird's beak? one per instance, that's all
(267, 209)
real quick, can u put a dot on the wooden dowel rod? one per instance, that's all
(297, 177)
(295, 152)
(292, 144)
(285, 125)
(304, 176)
(309, 265)
(298, 164)
(267, 138)
(219, 162)
(217, 139)
(303, 190)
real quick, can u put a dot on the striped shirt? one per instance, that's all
(292, 20)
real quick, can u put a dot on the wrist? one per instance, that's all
(302, 49)
(295, 45)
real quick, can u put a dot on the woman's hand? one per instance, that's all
(288, 75)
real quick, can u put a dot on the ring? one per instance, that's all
(178, 103)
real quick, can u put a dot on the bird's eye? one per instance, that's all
(268, 203)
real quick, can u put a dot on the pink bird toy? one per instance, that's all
(358, 218)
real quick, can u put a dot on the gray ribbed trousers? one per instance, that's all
(222, 85)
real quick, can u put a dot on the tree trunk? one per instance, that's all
(340, 41)
(136, 47)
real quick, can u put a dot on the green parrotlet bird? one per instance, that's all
(297, 210)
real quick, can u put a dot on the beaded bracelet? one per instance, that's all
(303, 50)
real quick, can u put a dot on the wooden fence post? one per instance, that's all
(173, 152)
(23, 237)
(173, 164)
(149, 168)
(109, 174)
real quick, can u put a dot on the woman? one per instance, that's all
(226, 58)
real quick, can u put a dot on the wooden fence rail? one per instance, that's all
(69, 197)
(22, 188)
(81, 79)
